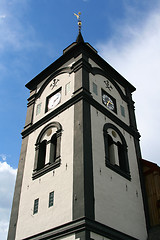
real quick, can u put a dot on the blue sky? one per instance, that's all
(33, 34)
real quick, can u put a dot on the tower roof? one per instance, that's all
(71, 51)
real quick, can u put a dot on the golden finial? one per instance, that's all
(79, 20)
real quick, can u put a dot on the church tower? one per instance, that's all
(79, 174)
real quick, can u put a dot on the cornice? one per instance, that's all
(81, 94)
(81, 224)
(46, 169)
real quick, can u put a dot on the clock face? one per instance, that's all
(54, 100)
(108, 102)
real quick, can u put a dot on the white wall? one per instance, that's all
(60, 182)
(118, 201)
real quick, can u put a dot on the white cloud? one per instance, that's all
(7, 181)
(4, 167)
(16, 33)
(135, 53)
(3, 229)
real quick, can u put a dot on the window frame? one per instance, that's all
(67, 88)
(36, 206)
(125, 171)
(53, 148)
(95, 88)
(38, 108)
(42, 155)
(51, 199)
(122, 111)
(52, 163)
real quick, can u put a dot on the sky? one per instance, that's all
(33, 34)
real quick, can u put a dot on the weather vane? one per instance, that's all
(79, 20)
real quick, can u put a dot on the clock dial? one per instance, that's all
(54, 100)
(108, 102)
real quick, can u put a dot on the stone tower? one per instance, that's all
(79, 175)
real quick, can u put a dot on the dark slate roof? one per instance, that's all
(71, 51)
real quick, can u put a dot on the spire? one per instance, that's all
(79, 38)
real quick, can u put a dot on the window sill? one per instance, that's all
(47, 168)
(117, 169)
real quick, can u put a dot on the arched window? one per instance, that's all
(121, 156)
(116, 157)
(41, 155)
(111, 151)
(53, 148)
(47, 151)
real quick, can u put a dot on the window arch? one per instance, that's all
(116, 153)
(47, 151)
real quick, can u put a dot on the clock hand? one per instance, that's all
(55, 99)
(108, 102)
